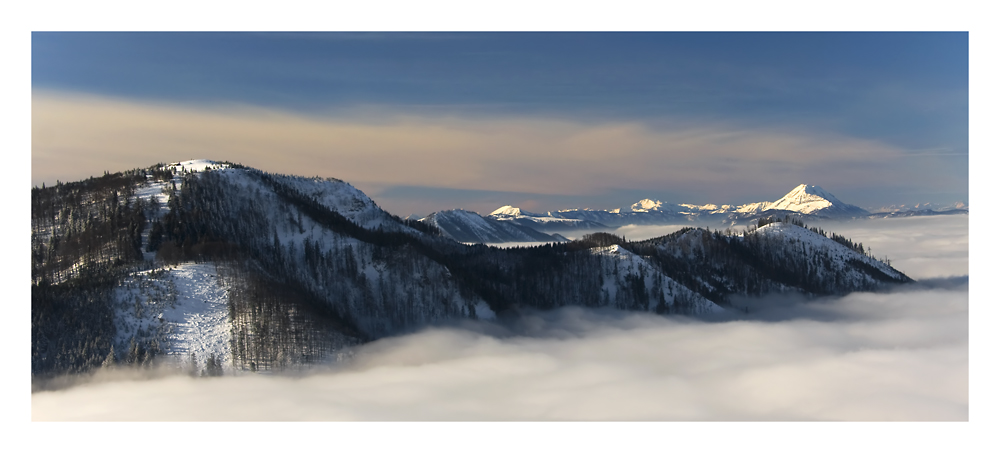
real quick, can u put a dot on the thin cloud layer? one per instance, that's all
(77, 136)
(897, 356)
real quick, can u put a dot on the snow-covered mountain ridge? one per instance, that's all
(263, 271)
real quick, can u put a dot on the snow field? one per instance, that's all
(184, 308)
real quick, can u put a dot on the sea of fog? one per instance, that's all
(899, 355)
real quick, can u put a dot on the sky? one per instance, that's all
(429, 121)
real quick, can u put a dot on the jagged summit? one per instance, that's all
(809, 199)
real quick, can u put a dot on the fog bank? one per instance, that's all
(897, 356)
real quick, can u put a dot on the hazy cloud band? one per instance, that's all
(76, 136)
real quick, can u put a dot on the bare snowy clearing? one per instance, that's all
(184, 308)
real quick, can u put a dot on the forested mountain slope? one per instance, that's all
(467, 226)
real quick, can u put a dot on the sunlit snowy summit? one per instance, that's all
(807, 199)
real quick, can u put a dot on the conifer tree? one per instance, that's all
(110, 360)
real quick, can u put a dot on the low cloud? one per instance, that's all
(896, 356)
(76, 136)
(643, 232)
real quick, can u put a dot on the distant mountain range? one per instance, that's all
(921, 209)
(938, 207)
(807, 202)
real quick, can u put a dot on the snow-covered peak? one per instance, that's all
(809, 199)
(645, 205)
(508, 210)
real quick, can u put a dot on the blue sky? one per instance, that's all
(567, 119)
